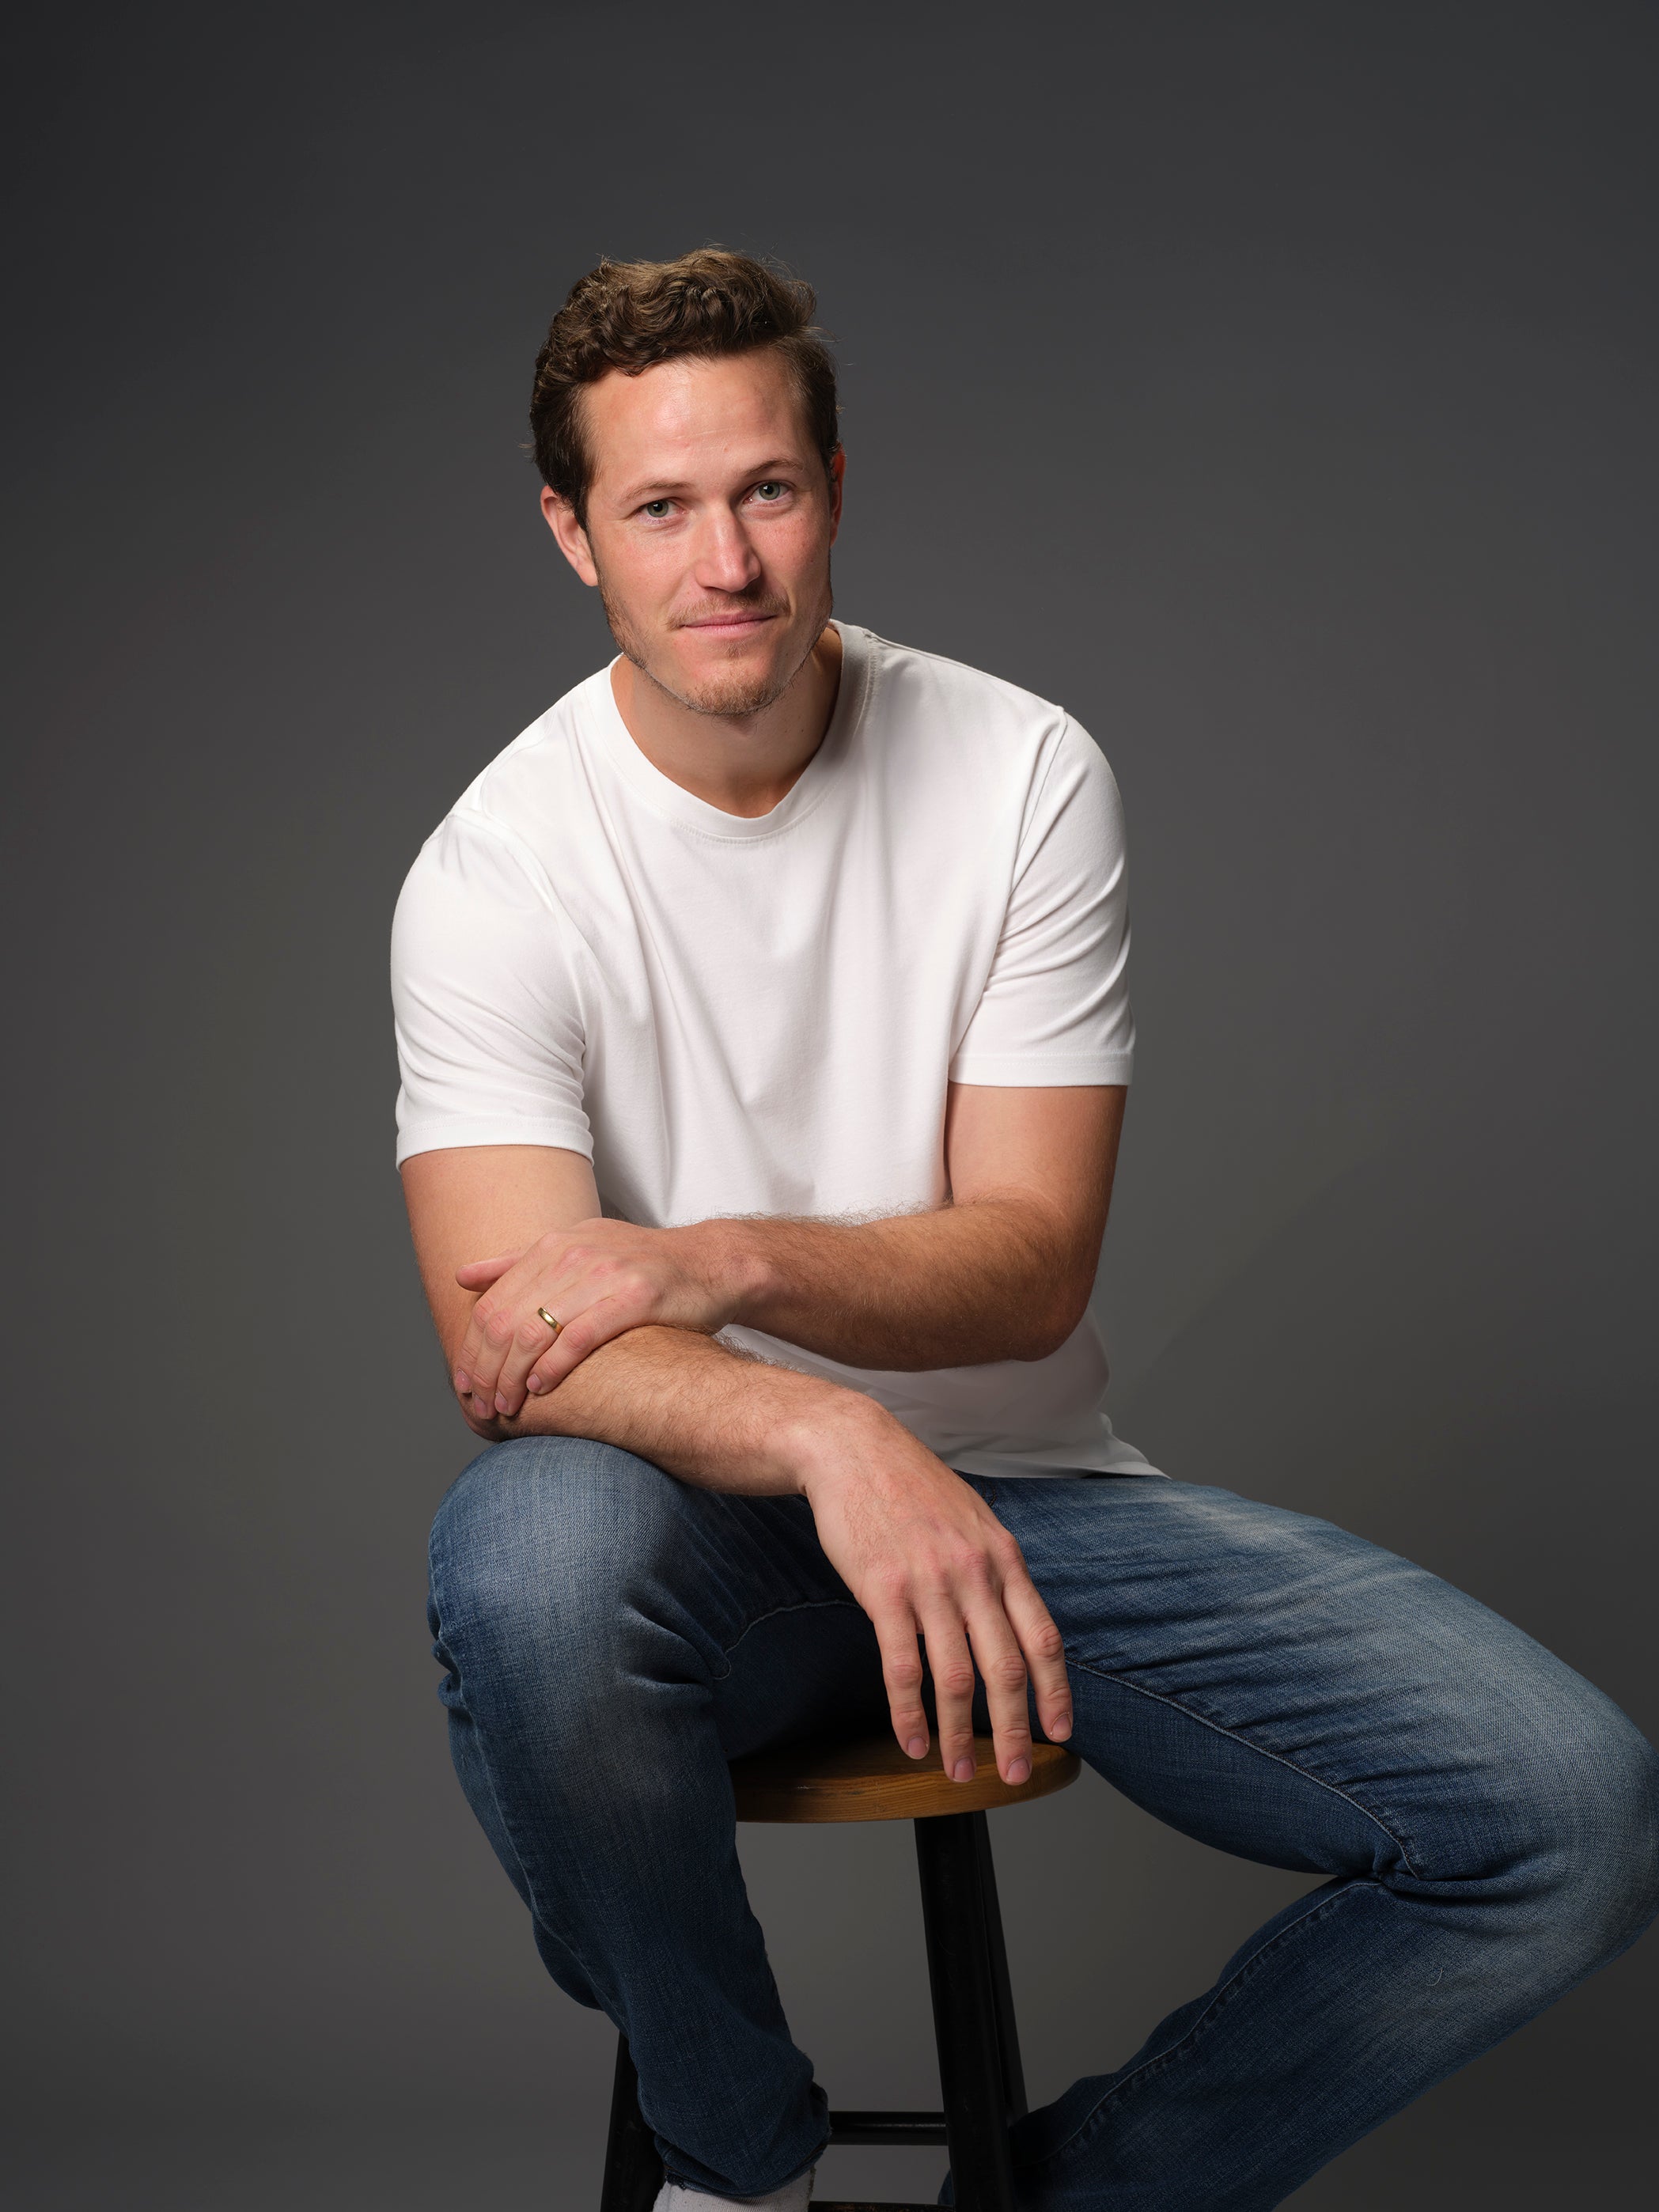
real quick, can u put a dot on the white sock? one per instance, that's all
(793, 2196)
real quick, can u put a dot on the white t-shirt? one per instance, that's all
(760, 1016)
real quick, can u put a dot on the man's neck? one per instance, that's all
(742, 764)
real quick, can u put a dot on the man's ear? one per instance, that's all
(560, 519)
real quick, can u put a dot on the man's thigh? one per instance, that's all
(594, 1584)
(1284, 1690)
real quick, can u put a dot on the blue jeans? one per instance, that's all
(1488, 1823)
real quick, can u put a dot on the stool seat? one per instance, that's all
(870, 1778)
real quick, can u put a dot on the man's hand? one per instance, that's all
(597, 1280)
(924, 1556)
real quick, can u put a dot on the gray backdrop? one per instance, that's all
(1273, 384)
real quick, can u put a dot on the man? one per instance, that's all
(764, 1042)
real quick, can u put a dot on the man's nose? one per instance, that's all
(726, 562)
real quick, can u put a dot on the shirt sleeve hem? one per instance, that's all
(1011, 1069)
(439, 1136)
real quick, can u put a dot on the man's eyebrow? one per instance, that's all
(655, 490)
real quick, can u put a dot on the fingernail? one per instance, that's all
(963, 1770)
(535, 1386)
(462, 1382)
(1060, 1731)
(917, 1747)
(501, 1406)
(1018, 1773)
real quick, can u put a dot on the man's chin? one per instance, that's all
(744, 685)
(734, 702)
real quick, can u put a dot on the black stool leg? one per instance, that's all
(1013, 2073)
(955, 1918)
(632, 2172)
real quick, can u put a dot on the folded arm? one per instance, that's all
(1002, 1271)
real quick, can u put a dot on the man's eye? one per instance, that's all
(769, 491)
(658, 508)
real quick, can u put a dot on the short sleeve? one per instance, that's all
(1055, 1005)
(489, 1021)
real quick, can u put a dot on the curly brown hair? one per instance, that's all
(631, 314)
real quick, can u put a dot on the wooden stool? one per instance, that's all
(978, 2064)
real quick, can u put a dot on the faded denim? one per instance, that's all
(1488, 1823)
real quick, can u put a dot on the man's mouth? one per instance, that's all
(740, 623)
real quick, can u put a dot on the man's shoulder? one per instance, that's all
(961, 723)
(910, 677)
(538, 764)
(504, 839)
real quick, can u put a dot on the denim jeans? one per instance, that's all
(1488, 1824)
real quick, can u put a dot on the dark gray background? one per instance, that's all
(1273, 384)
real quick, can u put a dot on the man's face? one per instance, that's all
(710, 524)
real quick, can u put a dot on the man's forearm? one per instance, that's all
(1002, 1272)
(708, 1415)
(995, 1279)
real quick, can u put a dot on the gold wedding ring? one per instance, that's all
(548, 1318)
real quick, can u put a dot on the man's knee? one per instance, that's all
(1601, 1804)
(1563, 1820)
(535, 1543)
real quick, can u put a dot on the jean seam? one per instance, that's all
(1222, 1997)
(800, 1605)
(1232, 1735)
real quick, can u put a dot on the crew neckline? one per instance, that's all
(687, 811)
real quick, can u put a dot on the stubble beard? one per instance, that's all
(736, 697)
